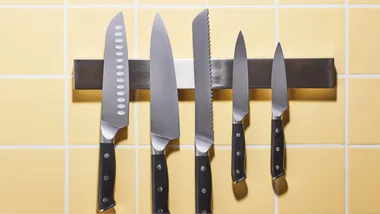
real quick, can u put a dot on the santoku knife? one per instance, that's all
(115, 107)
(164, 112)
(240, 109)
(279, 106)
(204, 133)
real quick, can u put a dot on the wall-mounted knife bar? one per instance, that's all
(301, 73)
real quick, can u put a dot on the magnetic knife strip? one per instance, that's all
(301, 73)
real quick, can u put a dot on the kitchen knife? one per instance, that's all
(115, 107)
(240, 109)
(204, 133)
(279, 106)
(164, 113)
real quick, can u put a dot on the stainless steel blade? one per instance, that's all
(279, 85)
(240, 80)
(204, 132)
(115, 92)
(163, 88)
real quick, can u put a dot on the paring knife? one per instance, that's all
(279, 106)
(115, 107)
(240, 109)
(164, 112)
(204, 133)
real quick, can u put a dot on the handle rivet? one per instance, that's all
(159, 189)
(238, 153)
(159, 167)
(237, 171)
(105, 200)
(277, 130)
(106, 178)
(204, 190)
(106, 155)
(277, 167)
(278, 149)
(203, 168)
(160, 211)
(204, 212)
(237, 134)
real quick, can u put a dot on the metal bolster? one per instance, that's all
(301, 73)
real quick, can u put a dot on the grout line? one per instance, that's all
(65, 103)
(136, 121)
(276, 20)
(346, 58)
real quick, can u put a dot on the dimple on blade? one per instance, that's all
(203, 81)
(115, 90)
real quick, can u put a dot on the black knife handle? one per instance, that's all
(203, 187)
(238, 153)
(106, 182)
(160, 186)
(277, 149)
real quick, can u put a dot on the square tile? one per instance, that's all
(178, 28)
(240, 2)
(101, 2)
(363, 173)
(362, 111)
(32, 110)
(28, 175)
(85, 115)
(313, 32)
(257, 26)
(182, 182)
(86, 29)
(316, 174)
(310, 1)
(33, 42)
(363, 40)
(83, 181)
(32, 2)
(174, 2)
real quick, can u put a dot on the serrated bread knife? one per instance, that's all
(279, 106)
(240, 101)
(164, 112)
(204, 133)
(115, 107)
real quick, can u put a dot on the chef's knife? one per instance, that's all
(240, 109)
(279, 106)
(115, 107)
(204, 133)
(164, 113)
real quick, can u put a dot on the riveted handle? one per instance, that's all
(277, 150)
(238, 153)
(106, 180)
(160, 186)
(203, 184)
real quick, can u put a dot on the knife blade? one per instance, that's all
(164, 111)
(279, 106)
(204, 132)
(115, 107)
(240, 97)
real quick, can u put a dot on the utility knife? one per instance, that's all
(279, 106)
(240, 109)
(115, 107)
(204, 133)
(164, 112)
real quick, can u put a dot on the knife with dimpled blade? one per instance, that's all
(164, 112)
(240, 109)
(279, 106)
(115, 107)
(204, 133)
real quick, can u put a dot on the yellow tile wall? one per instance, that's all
(49, 140)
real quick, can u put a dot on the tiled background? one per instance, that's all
(49, 133)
